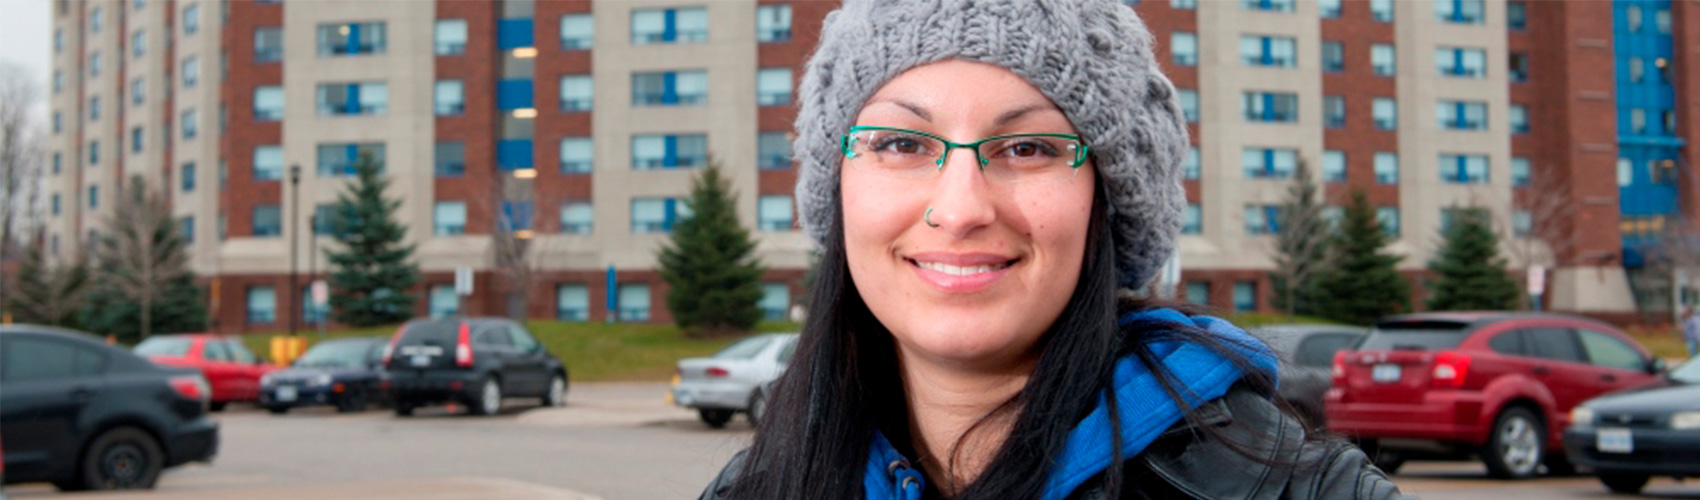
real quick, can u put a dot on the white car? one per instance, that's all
(732, 380)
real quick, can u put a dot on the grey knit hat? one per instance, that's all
(1091, 57)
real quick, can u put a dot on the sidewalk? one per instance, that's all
(611, 404)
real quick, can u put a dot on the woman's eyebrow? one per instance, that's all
(1011, 115)
(912, 107)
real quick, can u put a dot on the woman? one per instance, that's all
(985, 178)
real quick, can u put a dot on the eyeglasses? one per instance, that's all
(1013, 158)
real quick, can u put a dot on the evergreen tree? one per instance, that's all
(1301, 246)
(46, 295)
(1362, 285)
(372, 271)
(141, 283)
(714, 278)
(1470, 272)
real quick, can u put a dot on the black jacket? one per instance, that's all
(1186, 463)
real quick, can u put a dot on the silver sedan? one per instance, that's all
(732, 380)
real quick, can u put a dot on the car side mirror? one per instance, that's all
(1656, 365)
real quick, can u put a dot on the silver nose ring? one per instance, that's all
(928, 218)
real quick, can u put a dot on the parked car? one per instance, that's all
(1495, 385)
(345, 373)
(229, 366)
(1628, 437)
(82, 414)
(474, 361)
(1307, 355)
(732, 380)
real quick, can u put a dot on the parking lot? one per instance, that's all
(612, 441)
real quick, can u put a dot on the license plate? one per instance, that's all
(286, 394)
(421, 360)
(1615, 441)
(1385, 373)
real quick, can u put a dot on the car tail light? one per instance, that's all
(463, 347)
(1338, 370)
(1450, 367)
(389, 350)
(191, 387)
(717, 372)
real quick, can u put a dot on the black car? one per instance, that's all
(1629, 436)
(82, 414)
(345, 373)
(1307, 357)
(472, 361)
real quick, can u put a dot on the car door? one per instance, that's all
(1616, 364)
(1562, 368)
(221, 374)
(492, 340)
(530, 358)
(46, 385)
(245, 369)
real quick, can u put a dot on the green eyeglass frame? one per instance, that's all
(1079, 154)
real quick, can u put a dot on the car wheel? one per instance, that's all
(715, 418)
(1623, 482)
(1517, 444)
(557, 394)
(403, 409)
(216, 405)
(489, 397)
(278, 410)
(757, 408)
(124, 458)
(352, 401)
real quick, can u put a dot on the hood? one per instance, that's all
(1663, 398)
(302, 373)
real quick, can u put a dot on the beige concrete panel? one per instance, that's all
(1593, 289)
(445, 253)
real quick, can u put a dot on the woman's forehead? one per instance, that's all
(962, 89)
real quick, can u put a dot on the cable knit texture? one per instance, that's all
(1093, 58)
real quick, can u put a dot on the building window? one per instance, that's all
(58, 163)
(577, 31)
(1386, 168)
(1516, 15)
(1518, 115)
(138, 91)
(572, 303)
(1183, 4)
(1271, 107)
(1632, 18)
(190, 123)
(58, 81)
(191, 72)
(1464, 169)
(1519, 67)
(1333, 57)
(94, 64)
(312, 313)
(1262, 219)
(578, 155)
(1458, 11)
(1522, 223)
(773, 23)
(1333, 166)
(139, 44)
(1388, 217)
(55, 203)
(1661, 18)
(1192, 221)
(192, 19)
(59, 40)
(187, 174)
(1637, 121)
(187, 226)
(577, 217)
(222, 227)
(1625, 172)
(322, 218)
(94, 153)
(58, 123)
(773, 213)
(97, 19)
(1386, 111)
(1635, 70)
(136, 139)
(1328, 9)
(338, 159)
(268, 103)
(450, 37)
(773, 86)
(669, 151)
(268, 44)
(1184, 46)
(1268, 5)
(1332, 214)
(353, 99)
(449, 98)
(1519, 171)
(1461, 115)
(1381, 10)
(448, 218)
(1668, 119)
(1198, 292)
(1383, 59)
(1266, 163)
(633, 302)
(669, 88)
(268, 221)
(657, 215)
(94, 197)
(1189, 104)
(773, 151)
(262, 304)
(1461, 62)
(352, 39)
(1190, 167)
(1268, 51)
(268, 163)
(1245, 296)
(515, 216)
(94, 108)
(775, 301)
(1334, 111)
(576, 93)
(449, 159)
(689, 25)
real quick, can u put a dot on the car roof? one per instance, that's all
(1474, 319)
(1304, 329)
(51, 331)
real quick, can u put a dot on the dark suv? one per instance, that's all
(473, 361)
(1496, 385)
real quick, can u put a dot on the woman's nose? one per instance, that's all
(962, 200)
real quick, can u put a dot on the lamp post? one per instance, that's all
(294, 235)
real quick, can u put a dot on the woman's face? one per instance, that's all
(979, 289)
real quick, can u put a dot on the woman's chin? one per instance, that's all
(965, 345)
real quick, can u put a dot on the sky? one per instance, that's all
(25, 40)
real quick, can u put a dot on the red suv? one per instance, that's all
(1491, 384)
(232, 370)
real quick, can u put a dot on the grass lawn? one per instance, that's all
(592, 351)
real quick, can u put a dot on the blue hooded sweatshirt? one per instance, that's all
(1202, 374)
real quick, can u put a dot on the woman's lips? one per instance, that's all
(962, 276)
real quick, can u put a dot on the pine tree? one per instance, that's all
(141, 283)
(1470, 272)
(1363, 284)
(1301, 246)
(709, 264)
(46, 295)
(372, 271)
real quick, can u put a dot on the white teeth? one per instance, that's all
(957, 270)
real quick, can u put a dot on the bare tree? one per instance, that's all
(21, 152)
(514, 236)
(1301, 244)
(143, 251)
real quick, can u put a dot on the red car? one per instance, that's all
(230, 368)
(1499, 386)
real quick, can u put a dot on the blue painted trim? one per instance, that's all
(1651, 140)
(613, 295)
(671, 214)
(353, 45)
(515, 93)
(670, 88)
(670, 159)
(513, 33)
(670, 26)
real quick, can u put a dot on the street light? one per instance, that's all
(294, 235)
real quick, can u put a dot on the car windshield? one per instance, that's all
(1687, 373)
(335, 354)
(744, 349)
(1414, 335)
(164, 346)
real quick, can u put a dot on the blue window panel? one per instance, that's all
(513, 154)
(1272, 216)
(352, 104)
(515, 33)
(517, 215)
(514, 94)
(671, 33)
(672, 203)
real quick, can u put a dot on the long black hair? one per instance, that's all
(843, 385)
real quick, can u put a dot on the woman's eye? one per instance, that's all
(1029, 149)
(901, 145)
